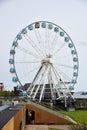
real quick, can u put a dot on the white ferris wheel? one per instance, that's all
(44, 55)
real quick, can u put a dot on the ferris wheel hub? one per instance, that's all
(46, 60)
(49, 56)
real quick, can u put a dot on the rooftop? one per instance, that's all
(80, 95)
(7, 113)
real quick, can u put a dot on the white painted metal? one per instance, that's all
(44, 56)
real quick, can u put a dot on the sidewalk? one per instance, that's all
(36, 127)
(60, 127)
(46, 127)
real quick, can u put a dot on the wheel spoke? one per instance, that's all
(33, 45)
(28, 52)
(35, 79)
(65, 90)
(29, 72)
(64, 74)
(57, 78)
(40, 42)
(55, 86)
(65, 56)
(50, 82)
(42, 76)
(24, 62)
(64, 65)
(59, 49)
(54, 42)
(47, 44)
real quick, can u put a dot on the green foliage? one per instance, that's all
(79, 116)
(47, 104)
(6, 93)
(78, 127)
(53, 129)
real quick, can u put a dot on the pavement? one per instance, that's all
(46, 127)
(36, 127)
(60, 127)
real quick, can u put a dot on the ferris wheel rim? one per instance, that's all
(54, 25)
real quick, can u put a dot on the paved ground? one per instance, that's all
(36, 127)
(46, 127)
(60, 127)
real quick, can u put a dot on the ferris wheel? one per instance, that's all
(44, 55)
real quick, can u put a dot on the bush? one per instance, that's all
(79, 127)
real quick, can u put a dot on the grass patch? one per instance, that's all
(78, 127)
(79, 116)
(53, 129)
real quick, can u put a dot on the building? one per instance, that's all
(80, 100)
(17, 116)
(16, 92)
(24, 88)
(1, 86)
(12, 118)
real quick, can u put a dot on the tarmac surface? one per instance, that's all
(59, 127)
(46, 127)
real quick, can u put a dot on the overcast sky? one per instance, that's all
(71, 15)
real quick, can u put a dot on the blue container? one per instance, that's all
(12, 52)
(75, 59)
(43, 25)
(12, 70)
(73, 52)
(19, 87)
(50, 26)
(24, 31)
(11, 61)
(30, 27)
(56, 29)
(15, 43)
(71, 88)
(61, 34)
(24, 94)
(66, 39)
(70, 45)
(14, 79)
(19, 37)
(75, 67)
(75, 74)
(73, 81)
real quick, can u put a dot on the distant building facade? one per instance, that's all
(16, 92)
(1, 86)
(80, 100)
